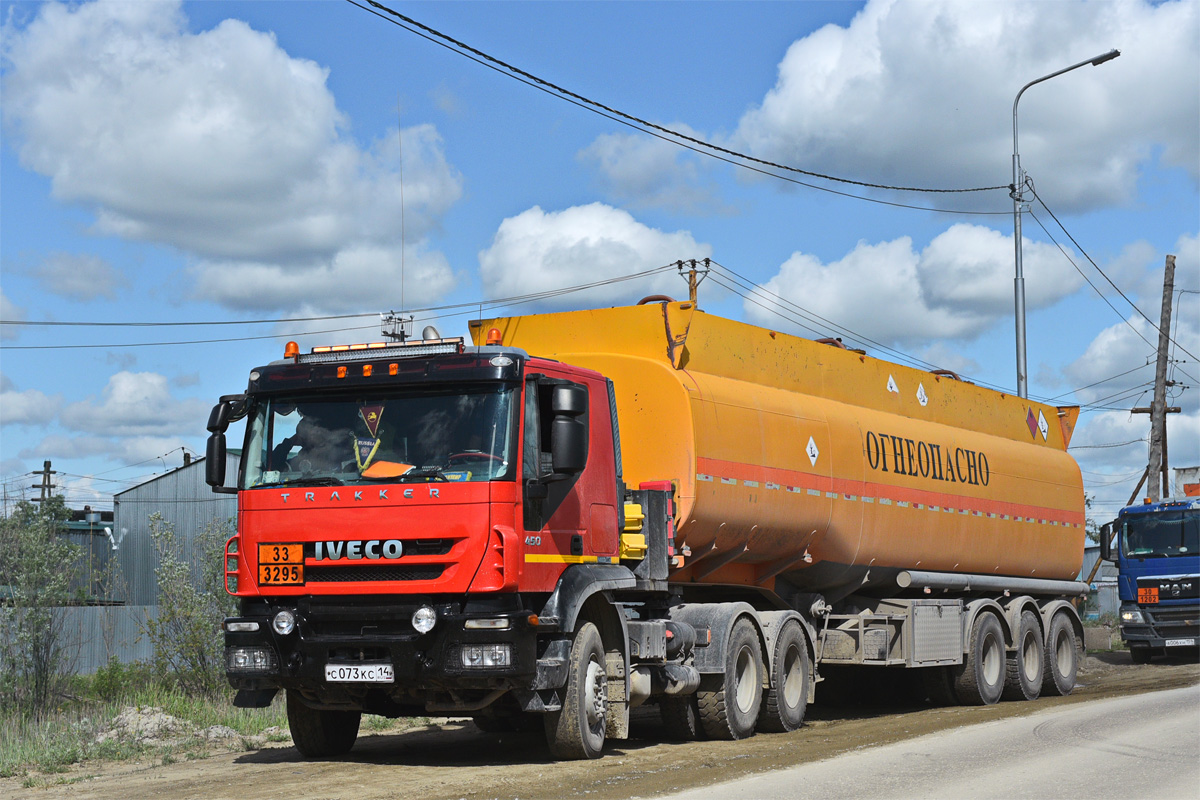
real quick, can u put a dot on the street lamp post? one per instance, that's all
(1018, 199)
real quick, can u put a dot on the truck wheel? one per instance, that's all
(1140, 655)
(979, 680)
(1062, 659)
(785, 701)
(319, 733)
(576, 731)
(1025, 673)
(729, 709)
(681, 718)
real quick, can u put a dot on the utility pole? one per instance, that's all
(1157, 466)
(45, 485)
(694, 276)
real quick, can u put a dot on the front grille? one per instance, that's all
(1183, 615)
(393, 572)
(412, 547)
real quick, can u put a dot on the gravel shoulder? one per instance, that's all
(452, 759)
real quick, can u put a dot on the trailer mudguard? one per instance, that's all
(973, 609)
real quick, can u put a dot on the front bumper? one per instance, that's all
(1162, 627)
(368, 631)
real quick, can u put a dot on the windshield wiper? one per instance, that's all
(314, 480)
(423, 472)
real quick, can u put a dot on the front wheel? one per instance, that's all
(319, 733)
(729, 703)
(576, 731)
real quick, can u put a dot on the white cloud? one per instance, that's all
(29, 407)
(137, 404)
(217, 143)
(78, 276)
(645, 172)
(956, 288)
(127, 450)
(13, 313)
(537, 251)
(920, 94)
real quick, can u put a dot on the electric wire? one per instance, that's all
(694, 144)
(1106, 445)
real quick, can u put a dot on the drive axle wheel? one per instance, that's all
(783, 707)
(318, 733)
(576, 731)
(1024, 673)
(979, 680)
(729, 703)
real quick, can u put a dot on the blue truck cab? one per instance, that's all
(1157, 552)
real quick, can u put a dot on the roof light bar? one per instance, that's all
(411, 349)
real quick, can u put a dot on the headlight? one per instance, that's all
(1132, 615)
(486, 655)
(492, 624)
(241, 626)
(423, 619)
(249, 659)
(284, 622)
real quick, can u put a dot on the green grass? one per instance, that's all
(34, 748)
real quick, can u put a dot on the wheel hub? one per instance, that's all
(594, 695)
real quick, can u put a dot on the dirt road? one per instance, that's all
(455, 760)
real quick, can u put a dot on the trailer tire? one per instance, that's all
(576, 731)
(939, 686)
(979, 680)
(318, 733)
(1026, 666)
(786, 699)
(729, 703)
(681, 718)
(1062, 657)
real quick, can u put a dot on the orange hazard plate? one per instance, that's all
(280, 564)
(1148, 595)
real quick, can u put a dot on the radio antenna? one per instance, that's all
(403, 243)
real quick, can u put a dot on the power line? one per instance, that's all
(1154, 326)
(675, 137)
(1106, 445)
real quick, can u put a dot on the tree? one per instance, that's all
(36, 572)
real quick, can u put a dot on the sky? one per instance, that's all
(185, 177)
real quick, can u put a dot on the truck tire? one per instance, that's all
(576, 731)
(979, 680)
(681, 718)
(1140, 655)
(1062, 657)
(729, 703)
(318, 733)
(1026, 664)
(785, 701)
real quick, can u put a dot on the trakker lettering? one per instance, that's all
(902, 456)
(358, 550)
(311, 497)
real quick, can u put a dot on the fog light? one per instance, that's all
(486, 655)
(284, 622)
(423, 619)
(249, 659)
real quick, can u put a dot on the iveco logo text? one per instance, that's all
(311, 497)
(374, 548)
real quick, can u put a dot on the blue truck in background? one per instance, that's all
(1157, 552)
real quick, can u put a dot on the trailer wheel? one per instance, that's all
(729, 709)
(979, 680)
(318, 733)
(681, 718)
(1062, 659)
(785, 701)
(1025, 665)
(576, 731)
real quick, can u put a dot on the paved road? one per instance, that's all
(1147, 745)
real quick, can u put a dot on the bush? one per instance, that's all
(36, 571)
(186, 636)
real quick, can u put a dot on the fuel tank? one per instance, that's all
(804, 461)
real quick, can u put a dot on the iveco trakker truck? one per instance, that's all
(583, 512)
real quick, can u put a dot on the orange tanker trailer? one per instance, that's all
(590, 511)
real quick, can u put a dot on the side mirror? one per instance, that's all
(1106, 541)
(218, 419)
(569, 431)
(214, 464)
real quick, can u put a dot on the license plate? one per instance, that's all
(1181, 642)
(360, 673)
(280, 564)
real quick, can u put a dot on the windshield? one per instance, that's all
(1171, 533)
(372, 437)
